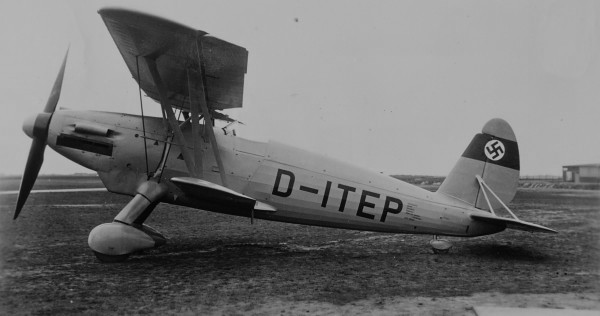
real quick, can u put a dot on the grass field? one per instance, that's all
(216, 263)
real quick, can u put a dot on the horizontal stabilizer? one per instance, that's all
(218, 194)
(512, 223)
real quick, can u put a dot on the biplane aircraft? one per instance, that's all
(181, 158)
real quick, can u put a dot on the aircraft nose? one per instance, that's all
(37, 125)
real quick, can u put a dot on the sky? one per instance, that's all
(398, 87)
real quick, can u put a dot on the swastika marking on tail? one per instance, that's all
(494, 150)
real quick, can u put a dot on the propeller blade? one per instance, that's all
(32, 168)
(38, 145)
(55, 93)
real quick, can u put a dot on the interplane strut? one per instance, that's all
(198, 80)
(166, 107)
(195, 98)
(197, 94)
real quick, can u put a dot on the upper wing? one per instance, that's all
(512, 223)
(176, 48)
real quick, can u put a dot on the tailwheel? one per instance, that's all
(440, 245)
(111, 258)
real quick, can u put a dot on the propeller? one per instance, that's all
(36, 127)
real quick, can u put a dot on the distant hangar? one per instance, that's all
(588, 173)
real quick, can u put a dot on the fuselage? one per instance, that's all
(304, 187)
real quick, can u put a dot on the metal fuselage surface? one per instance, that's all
(304, 187)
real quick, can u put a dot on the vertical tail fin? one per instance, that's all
(493, 154)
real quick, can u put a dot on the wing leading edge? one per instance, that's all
(177, 48)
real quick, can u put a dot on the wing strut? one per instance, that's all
(166, 107)
(137, 66)
(195, 119)
(200, 98)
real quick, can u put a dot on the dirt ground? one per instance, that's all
(221, 264)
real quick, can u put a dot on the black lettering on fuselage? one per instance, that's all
(290, 187)
(346, 189)
(388, 209)
(326, 195)
(392, 205)
(363, 203)
(309, 189)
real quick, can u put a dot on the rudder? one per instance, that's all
(493, 154)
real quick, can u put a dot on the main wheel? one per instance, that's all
(110, 258)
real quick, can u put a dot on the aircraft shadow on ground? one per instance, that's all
(252, 251)
(506, 252)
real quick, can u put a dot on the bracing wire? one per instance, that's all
(143, 119)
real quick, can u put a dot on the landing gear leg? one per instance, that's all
(440, 245)
(114, 242)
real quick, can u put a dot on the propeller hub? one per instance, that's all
(36, 126)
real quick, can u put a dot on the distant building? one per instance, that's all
(589, 173)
